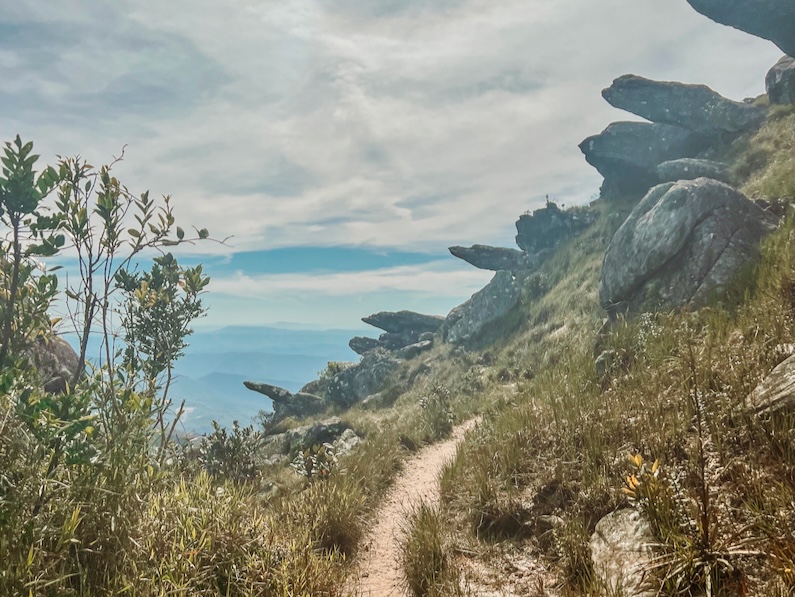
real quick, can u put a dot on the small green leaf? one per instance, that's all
(203, 233)
(133, 232)
(180, 233)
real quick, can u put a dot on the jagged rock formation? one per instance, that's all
(363, 344)
(693, 107)
(621, 551)
(488, 304)
(680, 244)
(286, 404)
(780, 81)
(692, 168)
(56, 362)
(627, 154)
(371, 375)
(549, 226)
(404, 322)
(493, 258)
(773, 20)
(776, 393)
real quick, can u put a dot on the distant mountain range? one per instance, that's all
(210, 376)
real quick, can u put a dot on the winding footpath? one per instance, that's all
(378, 571)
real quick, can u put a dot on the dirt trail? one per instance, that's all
(378, 572)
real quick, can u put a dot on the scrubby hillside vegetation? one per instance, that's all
(633, 383)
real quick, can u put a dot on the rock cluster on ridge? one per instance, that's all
(549, 226)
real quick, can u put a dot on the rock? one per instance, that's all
(396, 340)
(547, 227)
(322, 432)
(412, 350)
(426, 336)
(692, 168)
(777, 391)
(56, 362)
(488, 304)
(362, 344)
(346, 442)
(682, 243)
(621, 551)
(628, 153)
(773, 20)
(286, 404)
(493, 258)
(404, 321)
(780, 82)
(372, 374)
(693, 107)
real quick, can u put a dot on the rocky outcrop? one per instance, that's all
(692, 168)
(773, 20)
(693, 107)
(780, 82)
(627, 154)
(621, 552)
(776, 393)
(681, 243)
(488, 304)
(327, 431)
(549, 226)
(286, 404)
(56, 362)
(362, 344)
(412, 350)
(404, 322)
(493, 258)
(371, 375)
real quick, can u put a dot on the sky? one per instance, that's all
(345, 144)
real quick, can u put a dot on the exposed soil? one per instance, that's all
(378, 571)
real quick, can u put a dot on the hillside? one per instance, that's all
(618, 399)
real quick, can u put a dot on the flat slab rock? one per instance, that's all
(621, 548)
(777, 391)
(680, 245)
(692, 168)
(693, 107)
(397, 322)
(773, 20)
(492, 258)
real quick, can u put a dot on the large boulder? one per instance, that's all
(683, 242)
(493, 258)
(780, 81)
(628, 153)
(548, 226)
(363, 344)
(398, 322)
(372, 374)
(773, 20)
(488, 304)
(692, 168)
(286, 404)
(56, 362)
(622, 552)
(693, 107)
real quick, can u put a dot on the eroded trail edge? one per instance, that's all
(378, 571)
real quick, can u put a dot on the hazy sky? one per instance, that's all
(346, 143)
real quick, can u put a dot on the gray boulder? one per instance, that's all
(493, 258)
(683, 242)
(628, 153)
(412, 350)
(488, 304)
(547, 227)
(780, 81)
(397, 340)
(621, 552)
(773, 20)
(371, 375)
(404, 321)
(692, 168)
(286, 404)
(362, 344)
(776, 392)
(56, 362)
(693, 107)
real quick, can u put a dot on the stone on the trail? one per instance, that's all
(692, 168)
(621, 552)
(780, 81)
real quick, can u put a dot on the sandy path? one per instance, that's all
(378, 572)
